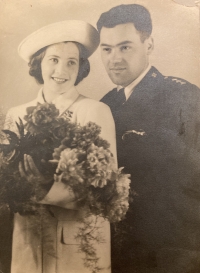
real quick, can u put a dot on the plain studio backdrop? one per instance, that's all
(175, 33)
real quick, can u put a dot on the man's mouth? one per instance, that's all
(117, 69)
(59, 80)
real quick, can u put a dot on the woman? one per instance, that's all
(57, 56)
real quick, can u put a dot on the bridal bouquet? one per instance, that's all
(64, 152)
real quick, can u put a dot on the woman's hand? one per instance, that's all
(59, 194)
(29, 171)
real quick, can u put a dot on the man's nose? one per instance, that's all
(115, 56)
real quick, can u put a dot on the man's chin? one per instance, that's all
(117, 81)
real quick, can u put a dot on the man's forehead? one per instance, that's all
(118, 34)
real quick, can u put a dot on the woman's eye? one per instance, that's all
(54, 60)
(71, 63)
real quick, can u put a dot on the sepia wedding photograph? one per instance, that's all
(99, 136)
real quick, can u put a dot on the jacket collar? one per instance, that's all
(129, 89)
(148, 83)
(62, 102)
(152, 76)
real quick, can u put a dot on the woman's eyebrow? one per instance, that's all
(55, 56)
(73, 58)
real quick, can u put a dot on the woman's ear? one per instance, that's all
(150, 45)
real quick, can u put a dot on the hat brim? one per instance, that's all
(70, 30)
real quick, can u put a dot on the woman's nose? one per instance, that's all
(61, 69)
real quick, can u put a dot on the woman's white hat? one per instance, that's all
(70, 30)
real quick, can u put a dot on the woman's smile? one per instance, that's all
(59, 80)
(60, 67)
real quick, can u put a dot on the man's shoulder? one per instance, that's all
(170, 81)
(109, 94)
(108, 98)
(160, 84)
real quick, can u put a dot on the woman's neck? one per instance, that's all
(50, 96)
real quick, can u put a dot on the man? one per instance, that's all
(6, 219)
(158, 140)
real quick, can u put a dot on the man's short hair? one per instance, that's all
(123, 14)
(35, 65)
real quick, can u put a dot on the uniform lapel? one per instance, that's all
(146, 88)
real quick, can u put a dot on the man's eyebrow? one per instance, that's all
(122, 43)
(105, 45)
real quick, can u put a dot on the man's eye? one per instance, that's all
(125, 48)
(107, 49)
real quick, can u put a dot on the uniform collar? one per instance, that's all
(62, 102)
(129, 89)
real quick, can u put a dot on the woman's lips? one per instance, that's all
(59, 80)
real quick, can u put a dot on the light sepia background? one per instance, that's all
(175, 33)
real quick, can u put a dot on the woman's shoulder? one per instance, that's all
(89, 103)
(21, 109)
(86, 109)
(17, 112)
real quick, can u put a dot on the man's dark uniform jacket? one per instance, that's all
(161, 232)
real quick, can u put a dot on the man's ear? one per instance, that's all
(150, 45)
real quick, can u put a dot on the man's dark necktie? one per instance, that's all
(121, 98)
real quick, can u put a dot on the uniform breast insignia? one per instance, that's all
(178, 81)
(140, 133)
(67, 114)
(154, 75)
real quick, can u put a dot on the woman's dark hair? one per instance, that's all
(35, 64)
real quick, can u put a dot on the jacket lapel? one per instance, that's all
(62, 102)
(146, 88)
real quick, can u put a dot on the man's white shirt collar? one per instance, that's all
(129, 89)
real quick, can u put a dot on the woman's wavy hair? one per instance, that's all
(35, 64)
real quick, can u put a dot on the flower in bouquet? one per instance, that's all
(99, 166)
(41, 117)
(119, 204)
(86, 135)
(68, 169)
(91, 172)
